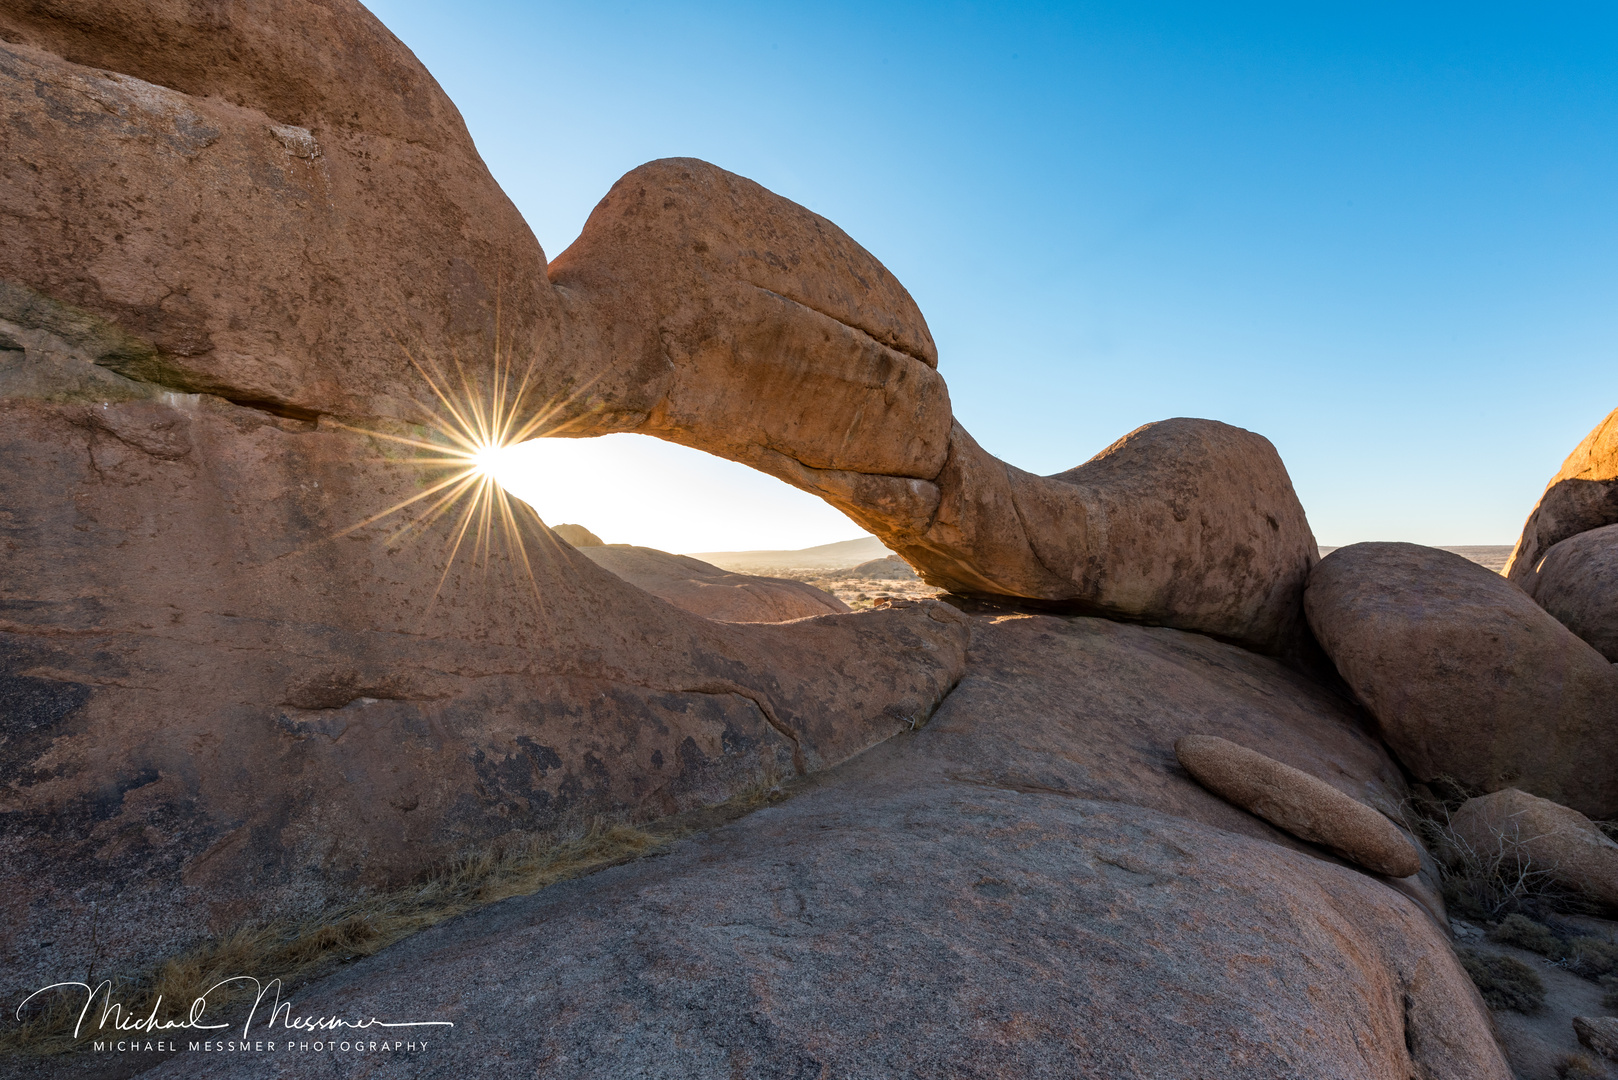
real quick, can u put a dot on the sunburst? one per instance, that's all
(470, 426)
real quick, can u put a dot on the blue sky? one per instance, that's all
(1384, 237)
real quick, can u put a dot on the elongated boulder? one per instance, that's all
(1548, 838)
(704, 589)
(1577, 582)
(1466, 676)
(1304, 806)
(1582, 496)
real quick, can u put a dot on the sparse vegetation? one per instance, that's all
(1504, 981)
(1592, 958)
(855, 591)
(1482, 883)
(300, 952)
(1526, 933)
(1497, 886)
(1580, 1067)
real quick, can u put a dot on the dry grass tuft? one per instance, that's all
(1580, 1067)
(297, 952)
(1609, 998)
(1525, 933)
(1504, 981)
(1593, 958)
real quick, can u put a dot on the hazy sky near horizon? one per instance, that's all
(1384, 236)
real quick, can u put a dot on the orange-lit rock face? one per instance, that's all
(263, 236)
(779, 342)
(1582, 496)
(276, 241)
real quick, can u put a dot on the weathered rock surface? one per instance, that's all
(1599, 1033)
(236, 713)
(1581, 497)
(577, 535)
(704, 589)
(1548, 837)
(259, 201)
(1291, 799)
(1577, 582)
(1467, 676)
(244, 713)
(1027, 887)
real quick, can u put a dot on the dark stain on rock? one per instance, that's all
(33, 713)
(544, 758)
(28, 704)
(692, 759)
(990, 889)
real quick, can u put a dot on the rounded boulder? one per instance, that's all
(1562, 843)
(1466, 676)
(1578, 583)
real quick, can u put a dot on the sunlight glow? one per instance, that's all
(496, 461)
(469, 434)
(636, 489)
(489, 459)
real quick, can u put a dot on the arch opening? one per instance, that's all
(637, 490)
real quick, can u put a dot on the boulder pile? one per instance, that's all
(1466, 676)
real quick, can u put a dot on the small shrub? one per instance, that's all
(1485, 881)
(1525, 933)
(1505, 982)
(1609, 1000)
(1592, 957)
(1580, 1067)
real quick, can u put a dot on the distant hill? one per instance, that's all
(1493, 556)
(836, 556)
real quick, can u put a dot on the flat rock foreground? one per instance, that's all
(289, 690)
